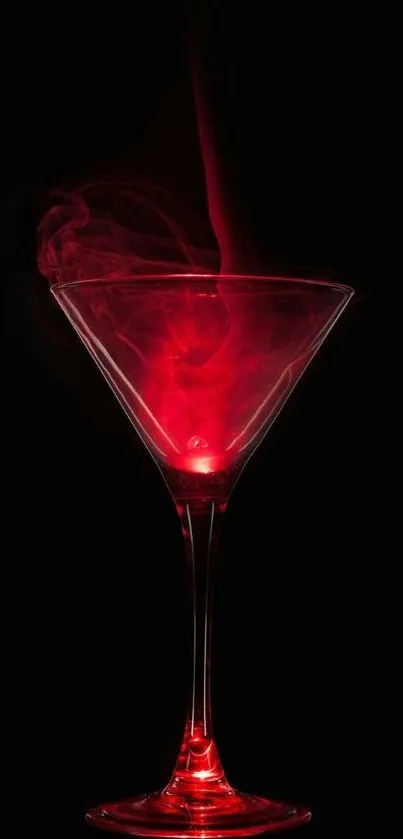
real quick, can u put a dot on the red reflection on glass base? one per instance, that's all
(219, 814)
(198, 802)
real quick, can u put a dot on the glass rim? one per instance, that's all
(133, 278)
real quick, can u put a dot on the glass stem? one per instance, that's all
(199, 764)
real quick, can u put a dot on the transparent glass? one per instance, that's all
(202, 365)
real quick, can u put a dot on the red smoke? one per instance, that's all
(201, 364)
(117, 230)
(113, 230)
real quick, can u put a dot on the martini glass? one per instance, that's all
(202, 365)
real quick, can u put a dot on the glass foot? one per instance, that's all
(173, 815)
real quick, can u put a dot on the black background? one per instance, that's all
(98, 661)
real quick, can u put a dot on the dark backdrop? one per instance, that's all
(98, 666)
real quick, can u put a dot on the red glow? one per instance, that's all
(202, 365)
(198, 802)
(201, 465)
(201, 362)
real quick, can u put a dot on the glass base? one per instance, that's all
(172, 815)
